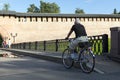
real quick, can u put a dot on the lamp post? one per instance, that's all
(13, 35)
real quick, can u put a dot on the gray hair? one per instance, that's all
(77, 21)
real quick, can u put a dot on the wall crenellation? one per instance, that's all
(50, 19)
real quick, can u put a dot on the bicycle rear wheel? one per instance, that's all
(87, 61)
(67, 60)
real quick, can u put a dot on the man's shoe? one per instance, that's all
(74, 56)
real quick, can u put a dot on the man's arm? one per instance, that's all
(70, 32)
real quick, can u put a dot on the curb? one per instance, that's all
(44, 57)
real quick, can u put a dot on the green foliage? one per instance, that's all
(1, 40)
(33, 9)
(109, 44)
(79, 11)
(115, 11)
(46, 7)
(6, 7)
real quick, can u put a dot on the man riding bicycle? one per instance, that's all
(80, 33)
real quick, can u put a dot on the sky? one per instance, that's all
(68, 6)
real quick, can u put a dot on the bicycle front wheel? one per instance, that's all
(67, 60)
(87, 61)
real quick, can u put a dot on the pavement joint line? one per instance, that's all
(99, 71)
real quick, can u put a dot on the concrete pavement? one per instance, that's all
(103, 64)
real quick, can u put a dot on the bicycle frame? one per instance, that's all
(83, 49)
(86, 58)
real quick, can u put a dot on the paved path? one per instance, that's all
(103, 63)
(25, 68)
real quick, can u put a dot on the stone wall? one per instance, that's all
(37, 28)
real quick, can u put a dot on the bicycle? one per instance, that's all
(86, 58)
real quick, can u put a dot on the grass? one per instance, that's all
(62, 45)
(109, 44)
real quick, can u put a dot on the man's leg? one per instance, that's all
(72, 47)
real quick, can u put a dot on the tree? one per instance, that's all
(46, 7)
(1, 40)
(6, 7)
(33, 9)
(79, 11)
(115, 11)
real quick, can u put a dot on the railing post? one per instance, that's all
(20, 46)
(44, 44)
(29, 45)
(24, 45)
(56, 44)
(105, 43)
(17, 46)
(36, 45)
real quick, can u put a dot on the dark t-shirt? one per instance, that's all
(79, 30)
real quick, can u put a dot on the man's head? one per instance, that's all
(77, 21)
